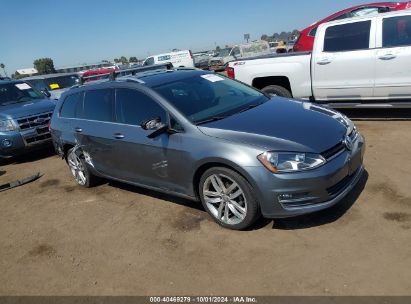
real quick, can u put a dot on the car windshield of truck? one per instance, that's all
(11, 93)
(224, 52)
(208, 97)
(62, 82)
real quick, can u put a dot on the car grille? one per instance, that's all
(34, 128)
(339, 148)
(334, 151)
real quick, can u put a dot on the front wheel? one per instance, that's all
(274, 90)
(228, 198)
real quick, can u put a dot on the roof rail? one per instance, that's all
(113, 75)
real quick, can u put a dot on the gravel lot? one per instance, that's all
(115, 239)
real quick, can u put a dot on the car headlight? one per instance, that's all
(7, 125)
(280, 162)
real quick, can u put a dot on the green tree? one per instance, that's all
(132, 59)
(218, 48)
(123, 60)
(264, 37)
(44, 66)
(116, 60)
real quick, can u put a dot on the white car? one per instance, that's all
(358, 62)
(178, 59)
(247, 50)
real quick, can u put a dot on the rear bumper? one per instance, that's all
(288, 195)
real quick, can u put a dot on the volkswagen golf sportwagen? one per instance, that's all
(205, 137)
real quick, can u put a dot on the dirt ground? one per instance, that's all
(114, 239)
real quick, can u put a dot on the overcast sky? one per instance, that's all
(78, 31)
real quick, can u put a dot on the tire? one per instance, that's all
(235, 209)
(78, 167)
(274, 90)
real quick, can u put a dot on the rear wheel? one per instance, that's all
(228, 198)
(274, 90)
(79, 170)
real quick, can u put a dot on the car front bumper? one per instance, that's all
(293, 194)
(14, 143)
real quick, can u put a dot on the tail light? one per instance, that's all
(408, 6)
(230, 72)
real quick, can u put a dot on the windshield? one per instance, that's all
(209, 97)
(17, 92)
(224, 52)
(62, 82)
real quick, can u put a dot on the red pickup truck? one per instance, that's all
(305, 42)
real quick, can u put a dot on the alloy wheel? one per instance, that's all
(225, 199)
(77, 168)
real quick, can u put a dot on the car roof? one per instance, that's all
(150, 78)
(336, 14)
(368, 17)
(167, 76)
(7, 81)
(46, 76)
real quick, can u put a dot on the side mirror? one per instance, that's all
(155, 125)
(46, 92)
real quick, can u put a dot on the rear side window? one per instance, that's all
(396, 31)
(348, 37)
(313, 32)
(72, 106)
(134, 107)
(98, 105)
(149, 61)
(38, 84)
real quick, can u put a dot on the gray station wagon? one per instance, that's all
(202, 136)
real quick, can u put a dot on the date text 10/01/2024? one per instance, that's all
(201, 299)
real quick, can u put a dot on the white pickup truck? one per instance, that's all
(358, 62)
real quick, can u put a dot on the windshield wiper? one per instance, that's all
(251, 106)
(211, 119)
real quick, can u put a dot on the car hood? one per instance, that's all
(282, 125)
(28, 108)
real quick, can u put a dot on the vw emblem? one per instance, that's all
(348, 143)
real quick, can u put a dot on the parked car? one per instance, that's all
(53, 84)
(203, 136)
(24, 116)
(178, 59)
(97, 74)
(201, 61)
(273, 46)
(290, 46)
(305, 41)
(353, 61)
(252, 49)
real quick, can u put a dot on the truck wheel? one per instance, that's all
(274, 90)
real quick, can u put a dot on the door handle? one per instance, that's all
(387, 56)
(118, 136)
(324, 61)
(78, 130)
